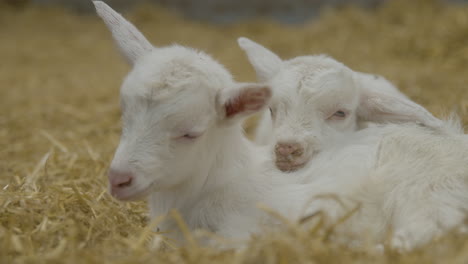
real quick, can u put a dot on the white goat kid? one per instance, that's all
(316, 97)
(183, 147)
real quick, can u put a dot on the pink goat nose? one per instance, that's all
(120, 179)
(285, 149)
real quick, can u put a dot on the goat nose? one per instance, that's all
(286, 149)
(120, 179)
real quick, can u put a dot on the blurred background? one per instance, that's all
(226, 11)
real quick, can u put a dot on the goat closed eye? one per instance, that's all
(272, 112)
(190, 135)
(338, 115)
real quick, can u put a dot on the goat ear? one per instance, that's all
(265, 62)
(381, 106)
(131, 42)
(244, 100)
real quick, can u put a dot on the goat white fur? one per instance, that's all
(182, 142)
(263, 132)
(316, 96)
(183, 148)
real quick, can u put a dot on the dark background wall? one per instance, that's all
(226, 11)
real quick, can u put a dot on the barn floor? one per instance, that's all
(59, 123)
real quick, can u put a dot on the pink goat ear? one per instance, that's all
(246, 100)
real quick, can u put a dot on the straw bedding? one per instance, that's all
(60, 123)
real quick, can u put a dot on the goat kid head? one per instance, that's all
(317, 97)
(176, 102)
